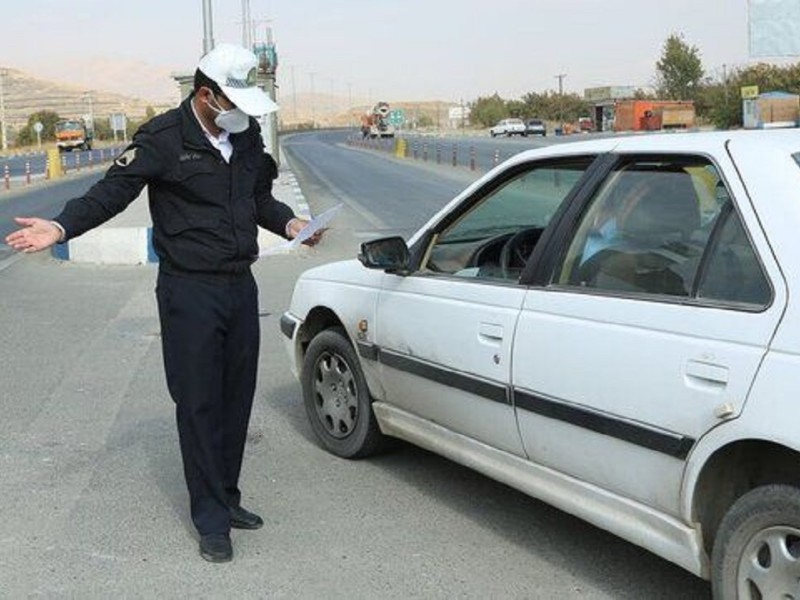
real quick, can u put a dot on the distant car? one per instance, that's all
(509, 127)
(535, 127)
(610, 326)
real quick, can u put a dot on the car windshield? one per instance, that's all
(69, 126)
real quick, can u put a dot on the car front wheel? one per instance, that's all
(336, 398)
(756, 552)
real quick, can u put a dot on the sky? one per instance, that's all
(401, 50)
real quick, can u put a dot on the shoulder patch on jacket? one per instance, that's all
(126, 158)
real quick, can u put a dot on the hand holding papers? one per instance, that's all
(316, 224)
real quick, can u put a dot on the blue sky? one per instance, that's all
(393, 49)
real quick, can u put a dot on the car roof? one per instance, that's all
(786, 141)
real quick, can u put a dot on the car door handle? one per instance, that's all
(707, 374)
(490, 332)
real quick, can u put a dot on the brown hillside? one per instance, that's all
(333, 111)
(24, 95)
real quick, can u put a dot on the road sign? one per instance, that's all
(38, 127)
(397, 117)
(749, 91)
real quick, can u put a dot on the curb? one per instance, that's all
(110, 246)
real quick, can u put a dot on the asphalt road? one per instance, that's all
(93, 503)
(41, 199)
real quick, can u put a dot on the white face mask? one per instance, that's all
(232, 121)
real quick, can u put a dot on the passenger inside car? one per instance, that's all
(652, 228)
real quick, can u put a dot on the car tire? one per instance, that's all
(336, 397)
(745, 560)
(493, 134)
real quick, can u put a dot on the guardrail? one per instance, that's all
(23, 170)
(459, 154)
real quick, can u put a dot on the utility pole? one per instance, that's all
(313, 102)
(208, 27)
(3, 129)
(88, 97)
(247, 25)
(294, 97)
(349, 104)
(332, 108)
(560, 78)
(725, 82)
(267, 71)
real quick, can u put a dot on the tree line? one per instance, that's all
(679, 75)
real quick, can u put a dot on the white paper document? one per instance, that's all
(319, 222)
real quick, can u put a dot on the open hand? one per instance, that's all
(36, 234)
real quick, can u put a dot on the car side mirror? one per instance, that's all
(390, 254)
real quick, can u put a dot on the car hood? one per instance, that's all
(344, 271)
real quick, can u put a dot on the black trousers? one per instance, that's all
(210, 341)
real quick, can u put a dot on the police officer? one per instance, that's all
(210, 187)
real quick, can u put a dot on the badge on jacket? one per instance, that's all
(126, 158)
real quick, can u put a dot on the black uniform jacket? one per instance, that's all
(205, 211)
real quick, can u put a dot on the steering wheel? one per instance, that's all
(517, 249)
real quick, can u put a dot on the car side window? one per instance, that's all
(733, 273)
(495, 236)
(646, 229)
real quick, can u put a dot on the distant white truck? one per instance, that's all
(375, 124)
(509, 127)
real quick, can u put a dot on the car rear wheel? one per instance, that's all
(337, 399)
(756, 552)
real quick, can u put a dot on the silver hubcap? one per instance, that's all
(335, 395)
(770, 565)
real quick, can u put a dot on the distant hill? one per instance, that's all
(24, 95)
(336, 111)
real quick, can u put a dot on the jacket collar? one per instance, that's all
(192, 131)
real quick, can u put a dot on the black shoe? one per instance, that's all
(216, 547)
(244, 519)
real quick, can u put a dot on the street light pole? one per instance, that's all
(313, 102)
(247, 26)
(560, 78)
(3, 129)
(88, 97)
(208, 27)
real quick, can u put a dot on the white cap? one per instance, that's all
(233, 69)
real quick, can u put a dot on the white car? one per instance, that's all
(509, 127)
(611, 326)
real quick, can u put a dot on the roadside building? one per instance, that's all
(604, 103)
(653, 115)
(769, 110)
